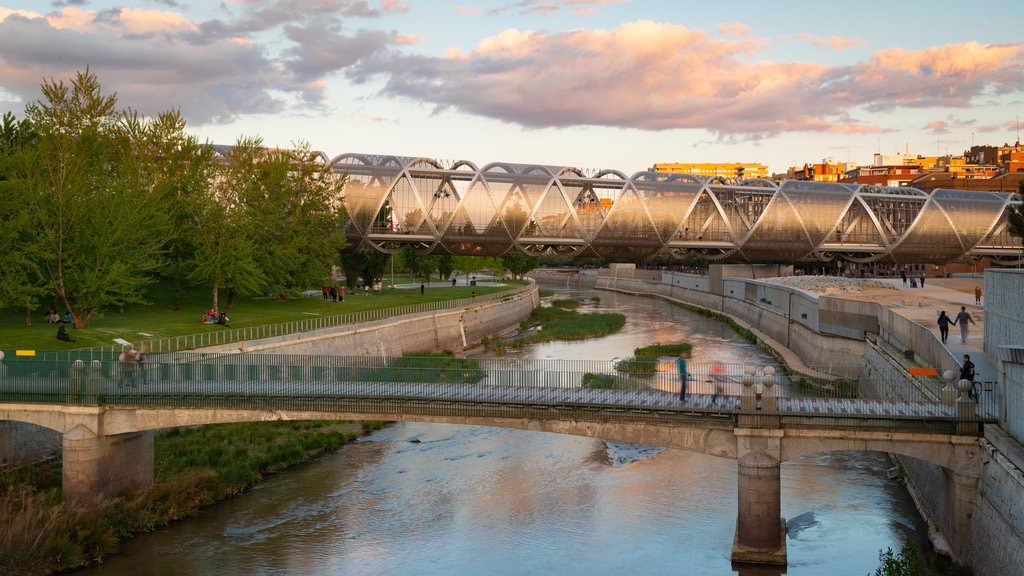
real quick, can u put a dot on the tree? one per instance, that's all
(224, 251)
(21, 281)
(518, 263)
(469, 265)
(294, 201)
(184, 181)
(409, 260)
(445, 266)
(98, 234)
(1015, 214)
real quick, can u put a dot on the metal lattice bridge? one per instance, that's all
(458, 208)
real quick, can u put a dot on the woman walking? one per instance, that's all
(944, 322)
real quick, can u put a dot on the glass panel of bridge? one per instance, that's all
(476, 229)
(707, 224)
(553, 217)
(367, 187)
(972, 214)
(628, 230)
(795, 221)
(668, 201)
(407, 207)
(930, 237)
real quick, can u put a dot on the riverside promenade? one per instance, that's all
(922, 305)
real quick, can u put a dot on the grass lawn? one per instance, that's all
(159, 320)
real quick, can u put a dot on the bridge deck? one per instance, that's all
(326, 393)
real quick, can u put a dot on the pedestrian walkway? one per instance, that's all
(922, 305)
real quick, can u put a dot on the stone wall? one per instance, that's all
(23, 443)
(997, 526)
(437, 331)
(990, 538)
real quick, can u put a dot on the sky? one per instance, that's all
(594, 84)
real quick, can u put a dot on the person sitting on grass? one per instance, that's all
(222, 319)
(62, 334)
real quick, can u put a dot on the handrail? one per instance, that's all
(573, 388)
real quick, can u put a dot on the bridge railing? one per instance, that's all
(449, 385)
(217, 335)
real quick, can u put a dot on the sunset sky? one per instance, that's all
(595, 84)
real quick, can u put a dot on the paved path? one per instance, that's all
(922, 305)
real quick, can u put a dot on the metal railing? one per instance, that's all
(218, 335)
(448, 385)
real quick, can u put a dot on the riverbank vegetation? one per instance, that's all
(195, 467)
(548, 323)
(645, 358)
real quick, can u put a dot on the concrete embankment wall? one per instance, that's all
(826, 330)
(436, 331)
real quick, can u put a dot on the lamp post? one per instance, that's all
(758, 398)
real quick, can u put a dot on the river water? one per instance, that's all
(433, 499)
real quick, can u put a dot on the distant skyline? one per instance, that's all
(595, 84)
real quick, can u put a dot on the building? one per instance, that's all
(712, 169)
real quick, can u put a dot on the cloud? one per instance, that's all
(548, 7)
(658, 76)
(835, 42)
(214, 71)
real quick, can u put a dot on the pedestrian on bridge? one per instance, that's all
(683, 376)
(963, 318)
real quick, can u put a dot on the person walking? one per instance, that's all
(717, 378)
(963, 318)
(944, 322)
(141, 359)
(977, 295)
(683, 376)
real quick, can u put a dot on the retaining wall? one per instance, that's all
(437, 331)
(820, 329)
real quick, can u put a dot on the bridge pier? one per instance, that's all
(760, 529)
(96, 466)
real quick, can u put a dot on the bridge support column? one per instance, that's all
(760, 529)
(96, 466)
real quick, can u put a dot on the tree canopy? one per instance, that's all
(98, 202)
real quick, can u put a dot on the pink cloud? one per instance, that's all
(394, 6)
(736, 29)
(835, 42)
(659, 76)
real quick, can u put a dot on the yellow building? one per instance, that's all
(725, 169)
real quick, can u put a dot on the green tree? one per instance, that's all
(1015, 214)
(98, 235)
(223, 247)
(20, 279)
(409, 260)
(184, 179)
(518, 263)
(294, 201)
(445, 266)
(469, 265)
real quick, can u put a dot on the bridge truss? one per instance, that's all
(457, 208)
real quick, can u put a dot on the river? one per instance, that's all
(452, 500)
